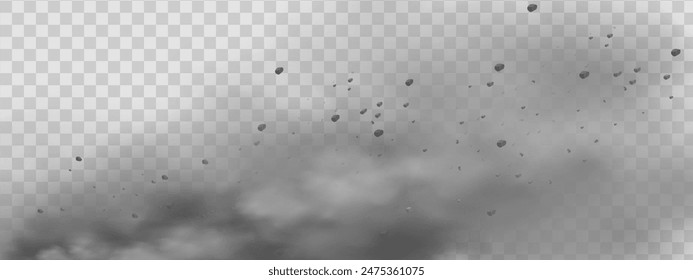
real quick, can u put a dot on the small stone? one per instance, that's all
(279, 70)
(378, 133)
(523, 107)
(40, 211)
(350, 80)
(584, 74)
(631, 82)
(501, 143)
(379, 104)
(261, 127)
(406, 105)
(609, 35)
(618, 74)
(637, 69)
(409, 82)
(591, 37)
(671, 97)
(335, 118)
(532, 7)
(491, 213)
(667, 76)
(205, 162)
(135, 216)
(363, 111)
(499, 67)
(489, 84)
(164, 177)
(377, 115)
(675, 52)
(78, 158)
(425, 150)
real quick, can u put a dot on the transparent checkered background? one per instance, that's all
(140, 89)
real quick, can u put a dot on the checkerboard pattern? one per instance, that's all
(142, 89)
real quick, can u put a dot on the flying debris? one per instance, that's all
(667, 76)
(499, 67)
(377, 115)
(631, 82)
(609, 35)
(135, 216)
(164, 177)
(501, 143)
(261, 127)
(409, 82)
(591, 37)
(350, 80)
(675, 52)
(618, 74)
(636, 69)
(335, 118)
(205, 162)
(489, 84)
(584, 74)
(363, 111)
(491, 213)
(78, 158)
(532, 7)
(379, 104)
(40, 211)
(279, 70)
(378, 133)
(406, 105)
